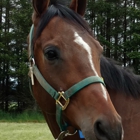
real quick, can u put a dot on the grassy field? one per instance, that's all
(27, 116)
(28, 125)
(24, 131)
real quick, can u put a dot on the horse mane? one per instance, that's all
(120, 79)
(60, 8)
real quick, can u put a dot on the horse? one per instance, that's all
(124, 89)
(65, 74)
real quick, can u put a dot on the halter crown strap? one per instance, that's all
(58, 96)
(31, 54)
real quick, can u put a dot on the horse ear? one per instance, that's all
(40, 6)
(78, 6)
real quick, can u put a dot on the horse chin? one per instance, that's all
(89, 135)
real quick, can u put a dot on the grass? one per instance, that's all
(27, 116)
(25, 131)
(29, 125)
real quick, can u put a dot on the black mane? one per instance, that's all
(119, 79)
(60, 9)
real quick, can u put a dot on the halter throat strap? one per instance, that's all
(61, 95)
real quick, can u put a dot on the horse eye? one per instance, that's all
(51, 55)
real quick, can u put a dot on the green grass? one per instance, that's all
(28, 125)
(25, 131)
(27, 116)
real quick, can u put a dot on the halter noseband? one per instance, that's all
(55, 94)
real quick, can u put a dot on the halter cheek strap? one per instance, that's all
(61, 95)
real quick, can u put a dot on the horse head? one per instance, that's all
(65, 63)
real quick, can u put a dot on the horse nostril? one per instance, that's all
(100, 131)
(105, 131)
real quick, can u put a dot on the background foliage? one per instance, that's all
(115, 23)
(15, 19)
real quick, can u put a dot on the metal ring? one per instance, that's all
(69, 134)
(33, 61)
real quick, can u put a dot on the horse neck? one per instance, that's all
(125, 104)
(128, 108)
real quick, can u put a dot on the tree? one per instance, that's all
(15, 25)
(116, 24)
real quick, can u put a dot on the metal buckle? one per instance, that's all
(61, 96)
(32, 63)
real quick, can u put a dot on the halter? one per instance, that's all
(57, 95)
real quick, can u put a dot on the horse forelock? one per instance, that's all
(56, 8)
(120, 79)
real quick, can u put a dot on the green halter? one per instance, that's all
(55, 94)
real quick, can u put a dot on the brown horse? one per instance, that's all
(65, 73)
(124, 89)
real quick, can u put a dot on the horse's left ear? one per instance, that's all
(78, 6)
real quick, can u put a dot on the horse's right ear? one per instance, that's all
(78, 6)
(40, 6)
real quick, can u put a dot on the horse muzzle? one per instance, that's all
(104, 129)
